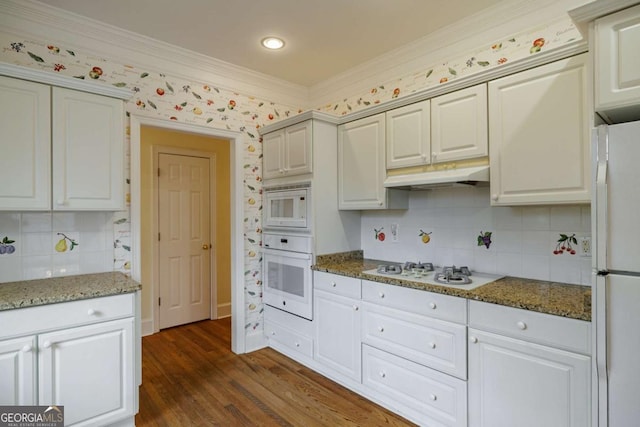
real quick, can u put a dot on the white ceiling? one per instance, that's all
(323, 37)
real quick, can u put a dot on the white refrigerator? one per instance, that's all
(616, 297)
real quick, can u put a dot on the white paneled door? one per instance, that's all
(184, 239)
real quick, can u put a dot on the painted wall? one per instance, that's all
(151, 137)
(523, 240)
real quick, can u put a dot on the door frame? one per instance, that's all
(213, 284)
(236, 140)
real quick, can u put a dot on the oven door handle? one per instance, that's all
(286, 254)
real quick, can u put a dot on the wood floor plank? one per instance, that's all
(190, 377)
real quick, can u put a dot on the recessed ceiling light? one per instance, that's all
(272, 43)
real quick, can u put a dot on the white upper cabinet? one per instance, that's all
(459, 125)
(361, 167)
(539, 135)
(25, 145)
(88, 151)
(617, 65)
(62, 149)
(288, 151)
(408, 135)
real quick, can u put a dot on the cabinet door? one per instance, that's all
(298, 158)
(18, 371)
(515, 383)
(408, 135)
(361, 165)
(338, 322)
(539, 135)
(25, 162)
(459, 125)
(89, 370)
(273, 155)
(617, 63)
(88, 151)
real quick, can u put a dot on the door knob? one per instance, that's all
(205, 246)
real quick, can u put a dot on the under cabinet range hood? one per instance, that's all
(465, 176)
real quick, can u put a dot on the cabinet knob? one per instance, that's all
(381, 294)
(273, 333)
(355, 308)
(334, 284)
(46, 344)
(297, 344)
(473, 339)
(432, 345)
(383, 374)
(494, 197)
(432, 305)
(380, 203)
(91, 312)
(381, 328)
(433, 397)
(521, 325)
(27, 348)
(281, 171)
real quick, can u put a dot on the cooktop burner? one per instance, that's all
(451, 276)
(454, 276)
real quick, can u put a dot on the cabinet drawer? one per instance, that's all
(42, 318)
(439, 399)
(288, 337)
(438, 306)
(434, 343)
(547, 329)
(336, 284)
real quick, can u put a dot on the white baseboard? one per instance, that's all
(147, 327)
(224, 310)
(255, 342)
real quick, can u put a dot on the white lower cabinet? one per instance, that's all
(434, 399)
(515, 381)
(338, 321)
(288, 333)
(89, 370)
(82, 355)
(18, 371)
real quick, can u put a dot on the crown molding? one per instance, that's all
(307, 115)
(29, 18)
(52, 79)
(457, 39)
(596, 9)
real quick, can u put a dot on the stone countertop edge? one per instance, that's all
(30, 293)
(560, 299)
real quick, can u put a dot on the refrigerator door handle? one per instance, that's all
(602, 273)
(601, 199)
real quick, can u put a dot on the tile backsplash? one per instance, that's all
(522, 240)
(50, 244)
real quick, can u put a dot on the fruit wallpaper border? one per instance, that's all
(501, 52)
(159, 95)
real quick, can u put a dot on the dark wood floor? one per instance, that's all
(190, 377)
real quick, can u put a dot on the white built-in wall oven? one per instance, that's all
(287, 281)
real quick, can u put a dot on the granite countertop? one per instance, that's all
(560, 299)
(29, 293)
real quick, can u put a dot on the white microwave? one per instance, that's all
(287, 209)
